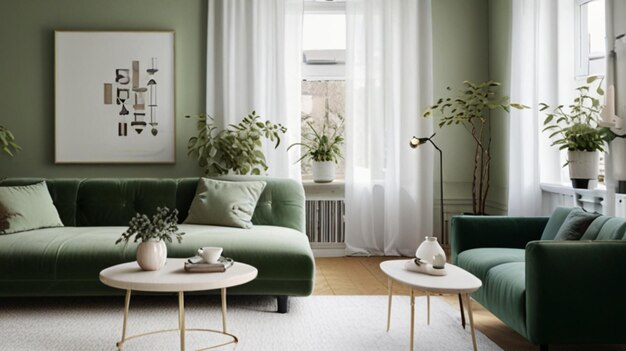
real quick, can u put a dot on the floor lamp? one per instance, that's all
(414, 143)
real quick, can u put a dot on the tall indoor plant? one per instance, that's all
(322, 146)
(237, 149)
(470, 107)
(576, 128)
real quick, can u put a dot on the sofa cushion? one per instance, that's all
(78, 254)
(27, 207)
(505, 294)
(613, 229)
(575, 224)
(225, 203)
(555, 222)
(113, 202)
(480, 261)
(594, 229)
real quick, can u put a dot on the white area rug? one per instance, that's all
(313, 323)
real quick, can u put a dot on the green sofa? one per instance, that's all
(67, 260)
(550, 292)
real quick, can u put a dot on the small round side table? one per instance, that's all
(173, 278)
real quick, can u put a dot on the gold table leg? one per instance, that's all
(181, 319)
(412, 332)
(428, 308)
(224, 310)
(120, 343)
(471, 318)
(181, 324)
(390, 287)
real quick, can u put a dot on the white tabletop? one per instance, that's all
(457, 281)
(173, 278)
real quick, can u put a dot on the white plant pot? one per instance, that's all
(583, 165)
(429, 248)
(323, 172)
(151, 255)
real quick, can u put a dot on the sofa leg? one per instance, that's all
(283, 306)
(543, 347)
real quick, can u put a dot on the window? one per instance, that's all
(590, 50)
(323, 68)
(590, 41)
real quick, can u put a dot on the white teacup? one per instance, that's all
(210, 254)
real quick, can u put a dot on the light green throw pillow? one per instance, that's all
(27, 207)
(225, 203)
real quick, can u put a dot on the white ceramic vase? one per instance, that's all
(323, 172)
(151, 255)
(429, 248)
(583, 166)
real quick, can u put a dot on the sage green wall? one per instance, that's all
(27, 27)
(27, 71)
(460, 50)
(500, 17)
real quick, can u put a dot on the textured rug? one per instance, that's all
(313, 323)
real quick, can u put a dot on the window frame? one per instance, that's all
(317, 72)
(583, 57)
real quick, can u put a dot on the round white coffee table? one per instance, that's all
(457, 281)
(173, 278)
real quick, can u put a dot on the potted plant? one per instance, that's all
(577, 130)
(322, 146)
(238, 148)
(153, 232)
(7, 142)
(469, 108)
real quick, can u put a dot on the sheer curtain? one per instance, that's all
(253, 63)
(541, 30)
(389, 186)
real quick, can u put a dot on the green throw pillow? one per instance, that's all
(27, 207)
(225, 203)
(575, 224)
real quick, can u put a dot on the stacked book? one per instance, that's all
(197, 264)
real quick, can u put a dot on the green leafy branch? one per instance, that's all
(576, 128)
(162, 226)
(7, 142)
(322, 145)
(238, 148)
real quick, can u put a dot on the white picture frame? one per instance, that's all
(115, 97)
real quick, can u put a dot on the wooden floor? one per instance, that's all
(362, 276)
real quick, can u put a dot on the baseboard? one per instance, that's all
(328, 249)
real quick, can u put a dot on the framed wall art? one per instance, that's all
(114, 97)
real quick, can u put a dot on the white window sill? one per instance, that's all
(334, 190)
(567, 189)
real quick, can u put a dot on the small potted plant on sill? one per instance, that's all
(322, 147)
(153, 232)
(577, 130)
(237, 149)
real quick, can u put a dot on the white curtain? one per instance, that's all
(389, 186)
(253, 63)
(541, 32)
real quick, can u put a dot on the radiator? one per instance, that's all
(325, 221)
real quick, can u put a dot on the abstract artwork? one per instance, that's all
(114, 94)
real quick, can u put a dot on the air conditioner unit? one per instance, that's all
(324, 57)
